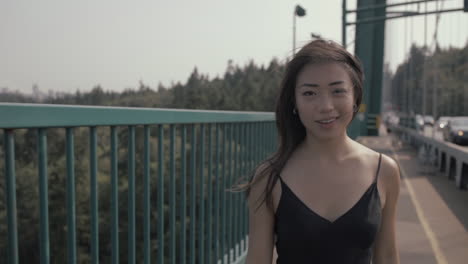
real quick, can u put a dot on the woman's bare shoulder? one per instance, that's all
(261, 219)
(390, 174)
(259, 183)
(366, 154)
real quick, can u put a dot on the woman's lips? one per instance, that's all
(327, 123)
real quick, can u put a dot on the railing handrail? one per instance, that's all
(19, 115)
(441, 144)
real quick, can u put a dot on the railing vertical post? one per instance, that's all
(94, 197)
(272, 137)
(193, 194)
(243, 171)
(217, 194)
(209, 198)
(131, 195)
(254, 146)
(229, 194)
(201, 223)
(265, 139)
(183, 193)
(223, 195)
(268, 136)
(251, 157)
(266, 127)
(147, 197)
(247, 166)
(259, 158)
(237, 174)
(43, 197)
(160, 194)
(249, 160)
(10, 185)
(71, 216)
(172, 198)
(114, 196)
(256, 134)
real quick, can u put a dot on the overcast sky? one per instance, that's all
(67, 45)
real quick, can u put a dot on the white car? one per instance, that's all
(428, 120)
(442, 122)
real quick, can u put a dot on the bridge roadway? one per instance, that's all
(432, 217)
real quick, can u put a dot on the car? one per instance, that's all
(418, 122)
(428, 120)
(390, 120)
(456, 130)
(442, 122)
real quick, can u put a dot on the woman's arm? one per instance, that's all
(385, 250)
(261, 221)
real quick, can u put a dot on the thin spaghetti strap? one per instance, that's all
(378, 168)
(281, 179)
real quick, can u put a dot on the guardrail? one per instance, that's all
(451, 160)
(200, 153)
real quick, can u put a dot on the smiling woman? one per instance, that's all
(322, 197)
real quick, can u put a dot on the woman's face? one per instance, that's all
(324, 99)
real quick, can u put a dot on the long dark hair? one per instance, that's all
(291, 131)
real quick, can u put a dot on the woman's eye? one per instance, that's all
(339, 91)
(309, 93)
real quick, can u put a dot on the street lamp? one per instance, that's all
(300, 12)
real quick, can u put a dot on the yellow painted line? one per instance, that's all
(440, 257)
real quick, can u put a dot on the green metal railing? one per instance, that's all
(203, 154)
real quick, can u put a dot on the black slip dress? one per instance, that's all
(305, 237)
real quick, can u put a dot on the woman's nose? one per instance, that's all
(326, 104)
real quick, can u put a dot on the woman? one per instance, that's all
(322, 197)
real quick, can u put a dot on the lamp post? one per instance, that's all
(300, 12)
(315, 36)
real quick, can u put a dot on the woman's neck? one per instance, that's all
(335, 149)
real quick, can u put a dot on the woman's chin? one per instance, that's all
(326, 135)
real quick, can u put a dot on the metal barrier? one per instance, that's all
(215, 149)
(373, 121)
(451, 160)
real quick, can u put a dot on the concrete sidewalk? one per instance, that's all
(432, 220)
